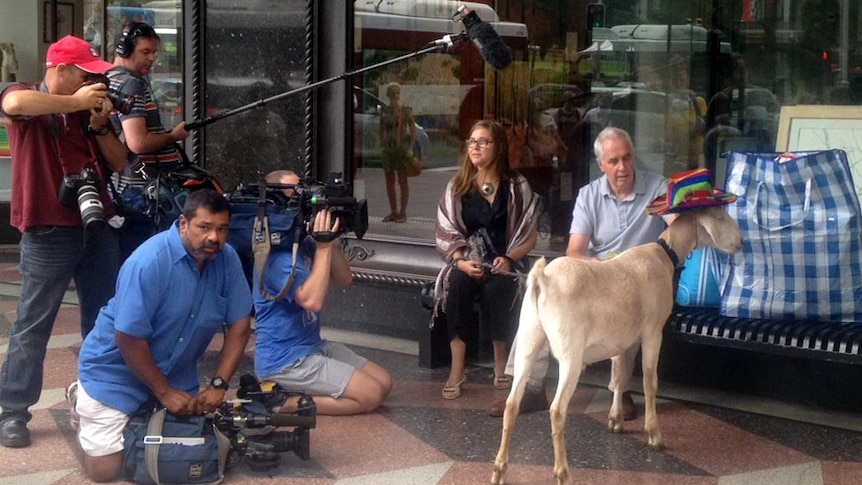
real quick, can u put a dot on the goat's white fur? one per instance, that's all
(591, 311)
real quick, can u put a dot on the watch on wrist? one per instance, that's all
(219, 383)
(101, 131)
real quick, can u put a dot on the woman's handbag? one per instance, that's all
(414, 167)
(802, 238)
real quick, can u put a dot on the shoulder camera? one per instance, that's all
(121, 102)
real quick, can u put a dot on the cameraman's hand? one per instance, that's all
(179, 133)
(99, 115)
(207, 401)
(176, 401)
(93, 97)
(325, 228)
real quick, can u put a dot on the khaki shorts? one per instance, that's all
(325, 373)
(100, 428)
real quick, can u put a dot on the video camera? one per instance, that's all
(249, 422)
(121, 102)
(291, 209)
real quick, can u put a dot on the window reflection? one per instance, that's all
(688, 80)
(254, 50)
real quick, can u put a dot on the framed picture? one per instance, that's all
(821, 127)
(65, 20)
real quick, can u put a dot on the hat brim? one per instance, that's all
(660, 207)
(96, 66)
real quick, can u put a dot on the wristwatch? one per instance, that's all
(219, 383)
(93, 131)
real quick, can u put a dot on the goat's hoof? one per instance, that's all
(499, 475)
(563, 477)
(657, 445)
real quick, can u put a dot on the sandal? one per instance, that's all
(400, 218)
(453, 391)
(502, 382)
(391, 218)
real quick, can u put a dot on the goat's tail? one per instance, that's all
(535, 286)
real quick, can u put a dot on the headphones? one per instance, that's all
(126, 43)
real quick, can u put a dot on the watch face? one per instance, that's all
(219, 383)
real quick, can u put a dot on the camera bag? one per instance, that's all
(162, 448)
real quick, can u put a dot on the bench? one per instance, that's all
(812, 339)
(815, 364)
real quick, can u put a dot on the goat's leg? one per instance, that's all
(622, 367)
(570, 372)
(650, 352)
(529, 341)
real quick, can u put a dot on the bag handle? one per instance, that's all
(762, 186)
(151, 450)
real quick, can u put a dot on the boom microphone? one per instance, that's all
(490, 46)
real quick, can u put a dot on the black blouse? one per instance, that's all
(478, 213)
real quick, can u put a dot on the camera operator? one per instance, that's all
(154, 148)
(289, 349)
(174, 293)
(55, 133)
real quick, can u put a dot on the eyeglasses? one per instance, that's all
(481, 142)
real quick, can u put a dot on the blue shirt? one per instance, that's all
(616, 225)
(285, 331)
(163, 298)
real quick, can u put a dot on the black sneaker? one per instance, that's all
(14, 434)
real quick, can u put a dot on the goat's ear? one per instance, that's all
(709, 220)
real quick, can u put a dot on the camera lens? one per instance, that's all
(121, 102)
(90, 205)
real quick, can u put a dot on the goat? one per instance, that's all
(591, 311)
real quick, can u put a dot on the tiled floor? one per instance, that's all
(418, 438)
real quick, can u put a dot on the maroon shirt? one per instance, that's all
(38, 144)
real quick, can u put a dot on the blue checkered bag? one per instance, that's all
(802, 238)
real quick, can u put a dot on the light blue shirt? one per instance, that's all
(163, 298)
(285, 331)
(616, 225)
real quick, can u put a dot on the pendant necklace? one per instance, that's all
(487, 189)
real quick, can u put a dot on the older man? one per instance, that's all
(609, 217)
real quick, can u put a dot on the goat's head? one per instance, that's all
(717, 229)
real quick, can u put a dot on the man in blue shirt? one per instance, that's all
(174, 293)
(289, 349)
(609, 217)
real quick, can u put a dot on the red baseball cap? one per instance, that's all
(72, 50)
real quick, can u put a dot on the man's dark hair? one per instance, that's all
(209, 199)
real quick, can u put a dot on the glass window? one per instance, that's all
(688, 80)
(254, 50)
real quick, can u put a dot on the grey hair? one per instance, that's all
(607, 133)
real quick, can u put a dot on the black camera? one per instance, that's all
(82, 190)
(306, 200)
(121, 102)
(250, 424)
(336, 197)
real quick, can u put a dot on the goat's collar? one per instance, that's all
(670, 252)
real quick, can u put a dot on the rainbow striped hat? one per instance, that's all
(687, 191)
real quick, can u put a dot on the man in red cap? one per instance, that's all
(62, 156)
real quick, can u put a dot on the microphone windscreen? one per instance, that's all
(491, 47)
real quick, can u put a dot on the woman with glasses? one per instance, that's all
(486, 224)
